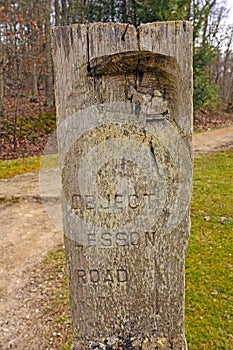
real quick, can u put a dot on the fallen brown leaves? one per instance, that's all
(209, 120)
(16, 141)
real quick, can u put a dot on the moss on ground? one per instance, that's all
(25, 136)
(43, 123)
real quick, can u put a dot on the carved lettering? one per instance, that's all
(76, 201)
(90, 202)
(121, 238)
(106, 239)
(150, 238)
(110, 239)
(105, 206)
(134, 238)
(122, 275)
(108, 277)
(91, 239)
(95, 276)
(133, 201)
(81, 276)
(120, 201)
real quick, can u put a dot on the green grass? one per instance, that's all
(209, 282)
(10, 168)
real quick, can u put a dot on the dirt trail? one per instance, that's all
(28, 234)
(213, 140)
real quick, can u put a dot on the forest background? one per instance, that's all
(27, 113)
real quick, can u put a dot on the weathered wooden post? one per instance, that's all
(124, 108)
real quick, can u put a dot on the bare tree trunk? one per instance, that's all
(1, 79)
(49, 65)
(124, 10)
(83, 7)
(227, 67)
(112, 10)
(71, 12)
(64, 12)
(34, 81)
(188, 13)
(15, 121)
(57, 13)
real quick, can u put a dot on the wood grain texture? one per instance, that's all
(126, 108)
